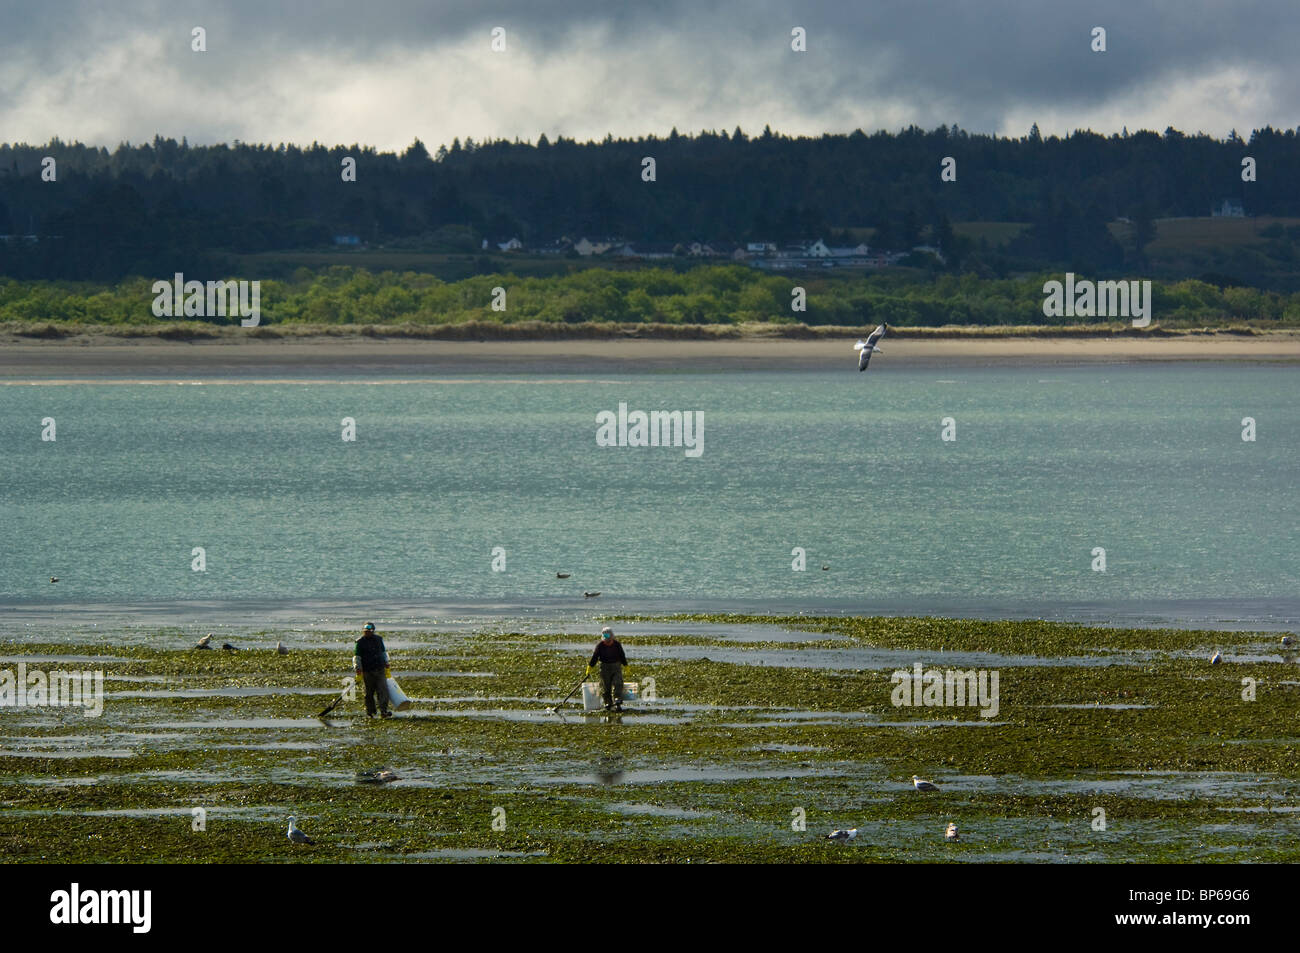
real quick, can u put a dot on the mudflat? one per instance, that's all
(105, 357)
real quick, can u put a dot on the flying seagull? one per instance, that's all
(54, 579)
(203, 642)
(868, 347)
(1216, 658)
(280, 647)
(843, 836)
(924, 785)
(296, 835)
(951, 833)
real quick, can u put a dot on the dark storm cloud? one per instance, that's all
(382, 72)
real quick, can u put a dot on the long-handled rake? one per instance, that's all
(337, 702)
(570, 695)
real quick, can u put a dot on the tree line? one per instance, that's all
(159, 207)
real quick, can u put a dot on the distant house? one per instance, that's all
(804, 250)
(595, 246)
(646, 250)
(347, 240)
(1228, 208)
(701, 250)
(508, 244)
(561, 246)
(856, 251)
(760, 248)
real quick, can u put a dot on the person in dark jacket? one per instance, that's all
(370, 661)
(609, 651)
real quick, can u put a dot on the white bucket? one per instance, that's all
(593, 700)
(397, 699)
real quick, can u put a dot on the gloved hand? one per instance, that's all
(358, 673)
(590, 669)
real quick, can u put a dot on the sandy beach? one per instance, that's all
(101, 358)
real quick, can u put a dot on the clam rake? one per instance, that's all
(553, 708)
(335, 704)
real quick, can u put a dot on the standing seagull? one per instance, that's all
(296, 835)
(203, 643)
(868, 347)
(924, 785)
(843, 836)
(951, 833)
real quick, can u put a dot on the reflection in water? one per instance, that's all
(609, 770)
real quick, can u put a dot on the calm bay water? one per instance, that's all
(1146, 461)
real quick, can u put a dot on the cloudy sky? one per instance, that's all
(383, 72)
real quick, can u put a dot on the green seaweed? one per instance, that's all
(1196, 774)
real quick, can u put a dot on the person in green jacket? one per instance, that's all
(370, 661)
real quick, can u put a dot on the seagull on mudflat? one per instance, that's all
(203, 642)
(296, 835)
(1216, 658)
(868, 347)
(843, 836)
(951, 833)
(924, 785)
(281, 649)
(382, 776)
